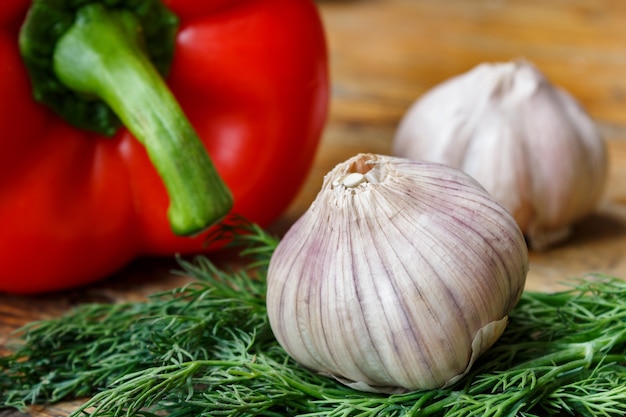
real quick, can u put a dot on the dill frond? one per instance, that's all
(206, 349)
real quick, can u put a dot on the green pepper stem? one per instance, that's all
(101, 55)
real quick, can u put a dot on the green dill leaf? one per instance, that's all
(207, 350)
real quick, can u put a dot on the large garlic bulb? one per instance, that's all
(398, 276)
(529, 143)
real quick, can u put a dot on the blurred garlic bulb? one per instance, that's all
(529, 143)
(399, 275)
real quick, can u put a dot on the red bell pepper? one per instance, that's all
(243, 103)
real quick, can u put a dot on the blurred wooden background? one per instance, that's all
(386, 53)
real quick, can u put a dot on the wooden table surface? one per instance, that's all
(386, 53)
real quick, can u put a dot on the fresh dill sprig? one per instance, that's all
(207, 350)
(95, 344)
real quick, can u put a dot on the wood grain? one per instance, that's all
(386, 53)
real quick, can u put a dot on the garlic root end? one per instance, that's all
(541, 240)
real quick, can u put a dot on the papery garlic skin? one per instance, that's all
(528, 142)
(399, 280)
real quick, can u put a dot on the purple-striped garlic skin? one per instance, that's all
(399, 275)
(528, 142)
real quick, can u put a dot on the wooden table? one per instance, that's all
(386, 53)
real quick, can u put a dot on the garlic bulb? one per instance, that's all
(398, 276)
(528, 142)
